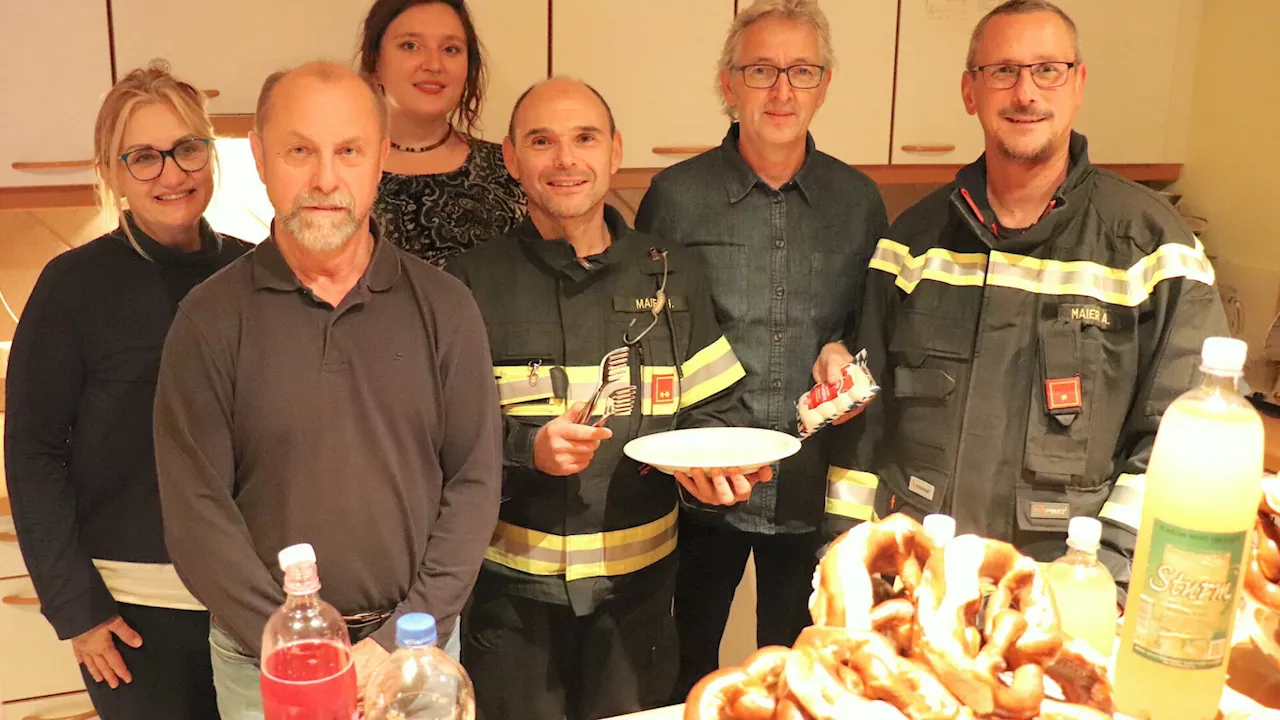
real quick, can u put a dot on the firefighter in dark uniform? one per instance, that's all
(1028, 323)
(571, 614)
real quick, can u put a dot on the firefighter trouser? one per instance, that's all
(532, 660)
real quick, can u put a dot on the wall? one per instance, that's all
(1230, 176)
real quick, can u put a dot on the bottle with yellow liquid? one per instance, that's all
(1083, 588)
(1203, 485)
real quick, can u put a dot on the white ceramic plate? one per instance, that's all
(721, 447)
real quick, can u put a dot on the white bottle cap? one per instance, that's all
(941, 528)
(294, 554)
(1084, 533)
(1223, 355)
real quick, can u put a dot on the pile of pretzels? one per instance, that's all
(971, 631)
(1262, 576)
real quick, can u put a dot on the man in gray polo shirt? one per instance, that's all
(327, 388)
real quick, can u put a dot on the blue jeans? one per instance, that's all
(235, 675)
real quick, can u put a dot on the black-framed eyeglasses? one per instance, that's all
(1046, 75)
(801, 77)
(191, 155)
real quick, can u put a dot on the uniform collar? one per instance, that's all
(970, 199)
(739, 178)
(559, 255)
(271, 271)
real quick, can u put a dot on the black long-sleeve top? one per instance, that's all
(81, 384)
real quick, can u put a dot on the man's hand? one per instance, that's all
(826, 369)
(563, 447)
(722, 486)
(96, 650)
(367, 656)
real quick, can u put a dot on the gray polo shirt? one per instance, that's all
(370, 430)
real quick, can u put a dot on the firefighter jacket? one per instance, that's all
(610, 530)
(1024, 373)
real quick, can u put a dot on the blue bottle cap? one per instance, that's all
(415, 630)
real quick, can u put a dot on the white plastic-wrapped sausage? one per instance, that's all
(826, 402)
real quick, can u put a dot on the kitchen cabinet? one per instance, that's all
(73, 706)
(655, 62)
(234, 47)
(34, 663)
(513, 36)
(1139, 56)
(57, 67)
(853, 125)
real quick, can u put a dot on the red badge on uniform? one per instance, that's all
(664, 389)
(1063, 394)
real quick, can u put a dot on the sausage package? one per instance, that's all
(829, 401)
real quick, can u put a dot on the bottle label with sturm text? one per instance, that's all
(1185, 605)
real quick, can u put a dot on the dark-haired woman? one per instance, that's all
(444, 190)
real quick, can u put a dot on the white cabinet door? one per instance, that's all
(853, 124)
(33, 662)
(654, 61)
(1139, 54)
(74, 706)
(1140, 65)
(233, 45)
(56, 69)
(514, 36)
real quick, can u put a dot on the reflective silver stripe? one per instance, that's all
(1124, 504)
(518, 390)
(1128, 287)
(612, 553)
(851, 493)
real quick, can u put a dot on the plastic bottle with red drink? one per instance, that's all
(307, 669)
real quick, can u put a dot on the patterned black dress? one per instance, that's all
(438, 216)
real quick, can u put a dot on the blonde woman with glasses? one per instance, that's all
(81, 383)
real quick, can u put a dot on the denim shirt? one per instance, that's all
(786, 269)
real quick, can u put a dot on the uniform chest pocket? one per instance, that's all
(930, 356)
(1063, 476)
(524, 368)
(729, 276)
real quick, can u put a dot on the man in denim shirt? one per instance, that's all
(785, 233)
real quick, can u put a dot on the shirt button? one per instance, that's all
(779, 243)
(779, 291)
(777, 337)
(777, 384)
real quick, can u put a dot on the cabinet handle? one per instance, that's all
(681, 150)
(8, 537)
(81, 716)
(21, 600)
(928, 148)
(56, 165)
(211, 93)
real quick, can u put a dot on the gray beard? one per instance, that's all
(322, 236)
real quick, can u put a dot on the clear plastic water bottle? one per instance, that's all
(1083, 588)
(419, 681)
(307, 671)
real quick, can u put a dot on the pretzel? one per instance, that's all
(1082, 674)
(844, 587)
(1262, 574)
(948, 601)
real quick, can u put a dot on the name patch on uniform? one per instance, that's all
(663, 389)
(1087, 314)
(677, 303)
(920, 487)
(1050, 511)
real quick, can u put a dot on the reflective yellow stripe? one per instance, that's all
(1128, 287)
(604, 554)
(851, 493)
(944, 266)
(1124, 505)
(514, 385)
(518, 398)
(711, 370)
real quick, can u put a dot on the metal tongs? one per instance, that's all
(621, 402)
(612, 368)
